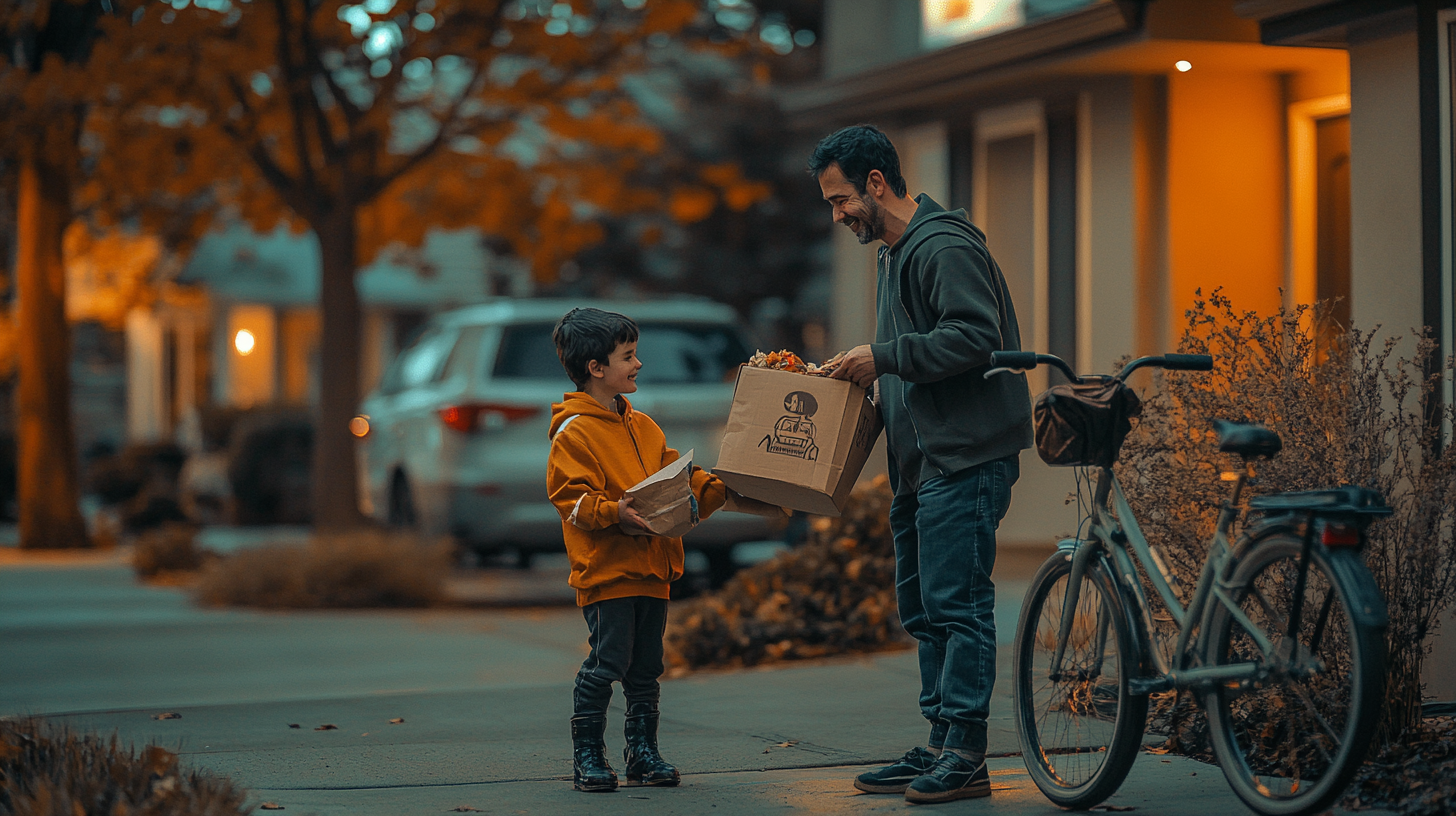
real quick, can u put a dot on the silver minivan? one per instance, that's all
(454, 439)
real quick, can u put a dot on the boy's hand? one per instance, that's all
(630, 520)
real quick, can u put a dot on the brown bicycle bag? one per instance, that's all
(1083, 425)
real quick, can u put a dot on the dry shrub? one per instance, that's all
(834, 594)
(170, 548)
(1349, 411)
(354, 570)
(48, 771)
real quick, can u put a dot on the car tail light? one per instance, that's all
(1339, 534)
(467, 418)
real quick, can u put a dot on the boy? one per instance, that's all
(600, 447)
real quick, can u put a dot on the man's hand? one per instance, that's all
(858, 366)
(735, 502)
(630, 520)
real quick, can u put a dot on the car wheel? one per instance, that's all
(401, 503)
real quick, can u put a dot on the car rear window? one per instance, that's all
(671, 353)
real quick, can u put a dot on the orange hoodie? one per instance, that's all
(596, 455)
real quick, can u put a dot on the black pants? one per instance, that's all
(626, 647)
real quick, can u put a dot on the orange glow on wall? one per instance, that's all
(252, 377)
(1226, 190)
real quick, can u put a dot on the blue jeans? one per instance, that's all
(945, 548)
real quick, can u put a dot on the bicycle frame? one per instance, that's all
(1113, 532)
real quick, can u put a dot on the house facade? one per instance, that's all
(246, 333)
(1121, 155)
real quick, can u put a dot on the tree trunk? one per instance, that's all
(47, 493)
(335, 470)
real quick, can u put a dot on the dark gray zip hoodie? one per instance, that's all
(942, 308)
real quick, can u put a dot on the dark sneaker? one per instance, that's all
(895, 778)
(951, 777)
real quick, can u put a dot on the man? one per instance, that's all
(954, 441)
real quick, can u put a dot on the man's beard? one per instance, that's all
(872, 226)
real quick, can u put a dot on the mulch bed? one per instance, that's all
(834, 594)
(1416, 775)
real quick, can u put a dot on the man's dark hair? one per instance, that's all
(857, 150)
(583, 335)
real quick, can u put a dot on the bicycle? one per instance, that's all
(1283, 638)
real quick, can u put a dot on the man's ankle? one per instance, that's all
(973, 757)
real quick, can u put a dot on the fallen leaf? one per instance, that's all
(396, 721)
(294, 725)
(465, 809)
(784, 744)
(365, 734)
(167, 715)
(327, 727)
(270, 806)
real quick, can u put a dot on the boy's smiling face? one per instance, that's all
(619, 376)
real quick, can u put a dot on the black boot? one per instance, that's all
(644, 765)
(590, 770)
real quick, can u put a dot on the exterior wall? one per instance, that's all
(146, 392)
(299, 353)
(1117, 307)
(1385, 183)
(1226, 190)
(860, 34)
(1385, 240)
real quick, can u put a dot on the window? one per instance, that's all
(943, 22)
(420, 363)
(672, 353)
(463, 355)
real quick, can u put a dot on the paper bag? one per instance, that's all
(795, 440)
(665, 499)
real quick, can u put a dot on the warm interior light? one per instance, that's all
(359, 426)
(1183, 65)
(244, 342)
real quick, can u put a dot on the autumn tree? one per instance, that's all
(47, 43)
(369, 123)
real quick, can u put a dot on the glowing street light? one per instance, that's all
(244, 342)
(1183, 65)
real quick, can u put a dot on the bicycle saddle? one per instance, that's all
(1247, 440)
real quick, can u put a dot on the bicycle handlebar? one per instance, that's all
(1002, 361)
(1188, 362)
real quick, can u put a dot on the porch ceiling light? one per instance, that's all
(1183, 65)
(244, 342)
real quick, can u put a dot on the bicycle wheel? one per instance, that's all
(1290, 739)
(1080, 730)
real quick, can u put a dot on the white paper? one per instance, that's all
(672, 470)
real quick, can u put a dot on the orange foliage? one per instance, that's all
(692, 204)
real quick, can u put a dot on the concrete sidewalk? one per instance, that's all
(484, 697)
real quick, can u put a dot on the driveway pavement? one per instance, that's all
(484, 697)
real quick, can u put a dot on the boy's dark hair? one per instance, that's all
(857, 150)
(585, 334)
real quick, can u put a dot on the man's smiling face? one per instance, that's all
(857, 211)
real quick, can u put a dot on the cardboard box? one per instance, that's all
(797, 441)
(665, 499)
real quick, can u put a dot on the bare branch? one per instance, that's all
(446, 128)
(352, 112)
